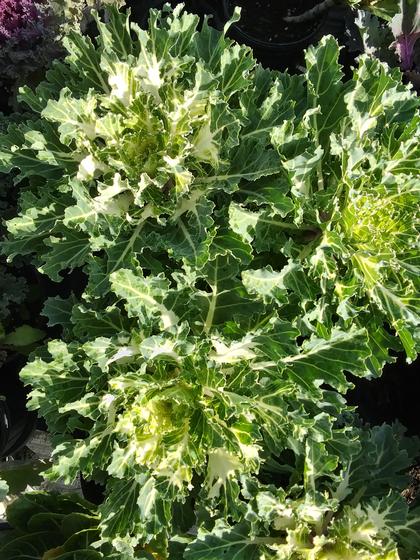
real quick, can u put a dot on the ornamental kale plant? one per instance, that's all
(63, 526)
(248, 237)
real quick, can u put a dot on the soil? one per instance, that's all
(263, 19)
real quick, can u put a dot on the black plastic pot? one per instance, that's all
(278, 44)
(393, 396)
(276, 47)
(16, 422)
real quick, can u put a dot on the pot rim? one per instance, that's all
(271, 46)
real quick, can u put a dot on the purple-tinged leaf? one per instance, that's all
(406, 29)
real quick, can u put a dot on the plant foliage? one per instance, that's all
(385, 9)
(14, 289)
(406, 29)
(397, 40)
(249, 238)
(76, 13)
(51, 526)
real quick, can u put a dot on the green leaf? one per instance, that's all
(23, 336)
(58, 310)
(385, 457)
(121, 515)
(71, 248)
(325, 89)
(144, 296)
(4, 489)
(230, 542)
(325, 361)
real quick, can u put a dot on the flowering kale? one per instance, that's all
(249, 237)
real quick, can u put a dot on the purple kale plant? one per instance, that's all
(19, 19)
(27, 42)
